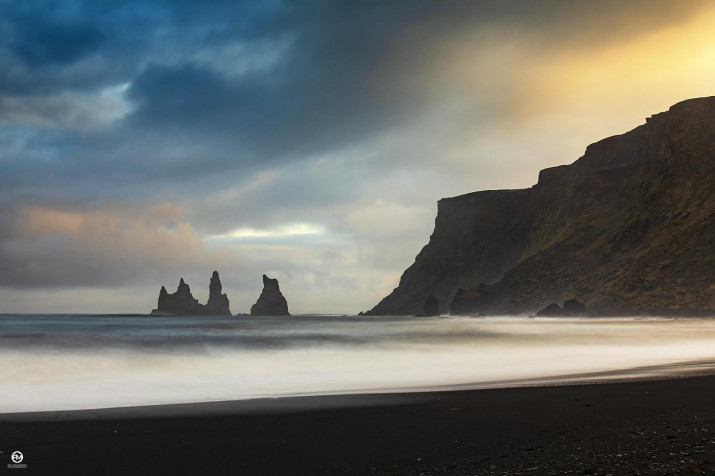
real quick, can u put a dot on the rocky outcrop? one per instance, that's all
(218, 304)
(477, 237)
(628, 228)
(552, 310)
(431, 306)
(574, 308)
(183, 303)
(271, 301)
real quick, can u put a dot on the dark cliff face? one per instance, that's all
(271, 301)
(476, 238)
(183, 303)
(626, 229)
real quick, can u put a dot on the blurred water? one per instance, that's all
(51, 362)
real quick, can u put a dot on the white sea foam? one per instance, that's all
(73, 362)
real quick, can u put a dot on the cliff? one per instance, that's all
(626, 229)
(183, 303)
(477, 237)
(271, 301)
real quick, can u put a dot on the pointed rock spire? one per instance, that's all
(271, 301)
(183, 303)
(218, 304)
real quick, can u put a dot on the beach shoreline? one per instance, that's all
(283, 403)
(641, 426)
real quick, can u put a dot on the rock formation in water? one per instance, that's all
(217, 305)
(574, 308)
(271, 302)
(552, 310)
(183, 303)
(626, 229)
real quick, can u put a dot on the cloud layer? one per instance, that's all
(143, 141)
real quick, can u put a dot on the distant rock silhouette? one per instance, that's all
(217, 305)
(552, 310)
(271, 302)
(574, 308)
(183, 303)
(571, 308)
(431, 306)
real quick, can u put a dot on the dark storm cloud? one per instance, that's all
(48, 42)
(43, 41)
(312, 76)
(350, 70)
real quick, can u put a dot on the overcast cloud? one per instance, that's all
(144, 141)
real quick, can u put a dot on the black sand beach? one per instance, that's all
(638, 427)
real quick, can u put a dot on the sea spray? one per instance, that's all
(73, 362)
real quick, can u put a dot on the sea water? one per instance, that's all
(62, 362)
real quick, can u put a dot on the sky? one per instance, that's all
(144, 141)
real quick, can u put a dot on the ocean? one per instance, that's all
(65, 362)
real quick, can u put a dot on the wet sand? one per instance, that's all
(662, 426)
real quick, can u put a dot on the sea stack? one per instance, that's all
(271, 302)
(217, 305)
(183, 303)
(552, 310)
(574, 308)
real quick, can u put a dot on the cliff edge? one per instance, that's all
(628, 228)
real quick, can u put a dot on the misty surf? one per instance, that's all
(64, 362)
